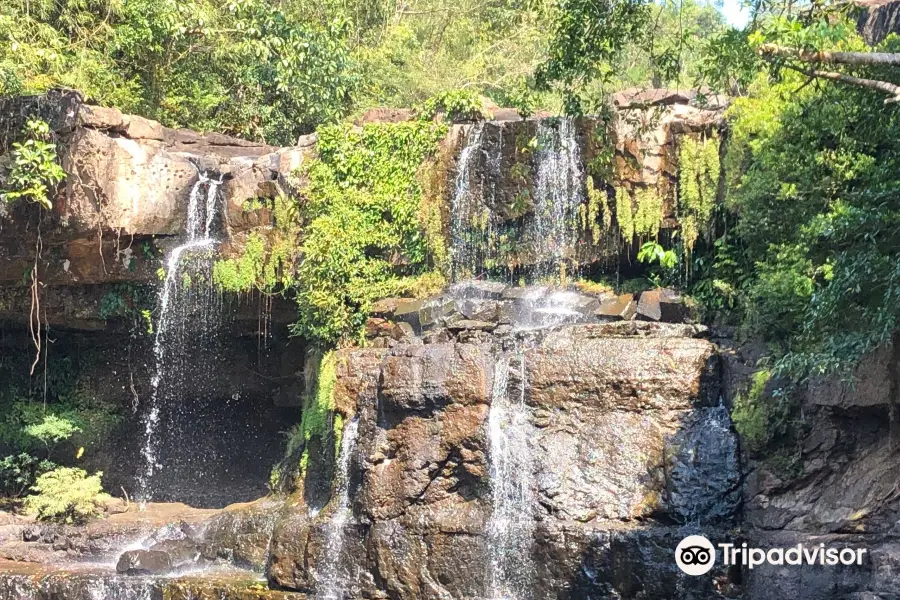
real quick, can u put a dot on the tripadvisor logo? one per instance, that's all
(695, 555)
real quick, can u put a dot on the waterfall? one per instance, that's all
(329, 583)
(559, 191)
(187, 313)
(510, 530)
(548, 234)
(466, 208)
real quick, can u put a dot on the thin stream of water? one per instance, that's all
(177, 304)
(510, 530)
(330, 580)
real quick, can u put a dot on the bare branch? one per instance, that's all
(840, 58)
(881, 86)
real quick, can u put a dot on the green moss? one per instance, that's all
(318, 419)
(596, 214)
(267, 259)
(753, 415)
(624, 215)
(649, 213)
(698, 182)
(338, 432)
(318, 408)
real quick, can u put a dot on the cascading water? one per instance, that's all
(467, 208)
(548, 234)
(329, 577)
(510, 529)
(188, 313)
(559, 191)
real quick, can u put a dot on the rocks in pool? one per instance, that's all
(144, 562)
(161, 558)
(664, 304)
(619, 308)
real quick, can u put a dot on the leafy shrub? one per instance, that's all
(51, 431)
(365, 239)
(35, 170)
(455, 105)
(19, 472)
(812, 178)
(67, 495)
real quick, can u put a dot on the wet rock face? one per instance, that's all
(145, 562)
(471, 309)
(20, 581)
(628, 438)
(836, 486)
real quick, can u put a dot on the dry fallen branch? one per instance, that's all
(856, 59)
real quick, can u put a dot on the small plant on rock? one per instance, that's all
(35, 170)
(67, 495)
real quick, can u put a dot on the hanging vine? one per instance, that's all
(698, 182)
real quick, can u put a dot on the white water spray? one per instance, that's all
(329, 578)
(466, 206)
(169, 327)
(510, 530)
(559, 191)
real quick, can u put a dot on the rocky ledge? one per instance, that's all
(626, 443)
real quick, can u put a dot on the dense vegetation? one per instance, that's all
(271, 71)
(803, 252)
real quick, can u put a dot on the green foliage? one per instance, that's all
(596, 47)
(20, 471)
(814, 180)
(364, 239)
(67, 495)
(244, 67)
(455, 105)
(35, 170)
(51, 431)
(578, 53)
(653, 252)
(624, 214)
(267, 263)
(67, 414)
(640, 216)
(698, 183)
(409, 54)
(757, 417)
(596, 215)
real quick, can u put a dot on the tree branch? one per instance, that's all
(840, 58)
(881, 86)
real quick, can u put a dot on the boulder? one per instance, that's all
(620, 308)
(384, 308)
(480, 310)
(663, 304)
(181, 552)
(144, 562)
(472, 324)
(478, 289)
(408, 312)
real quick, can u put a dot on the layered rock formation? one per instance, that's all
(839, 487)
(526, 189)
(626, 440)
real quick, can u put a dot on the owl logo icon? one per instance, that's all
(695, 555)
